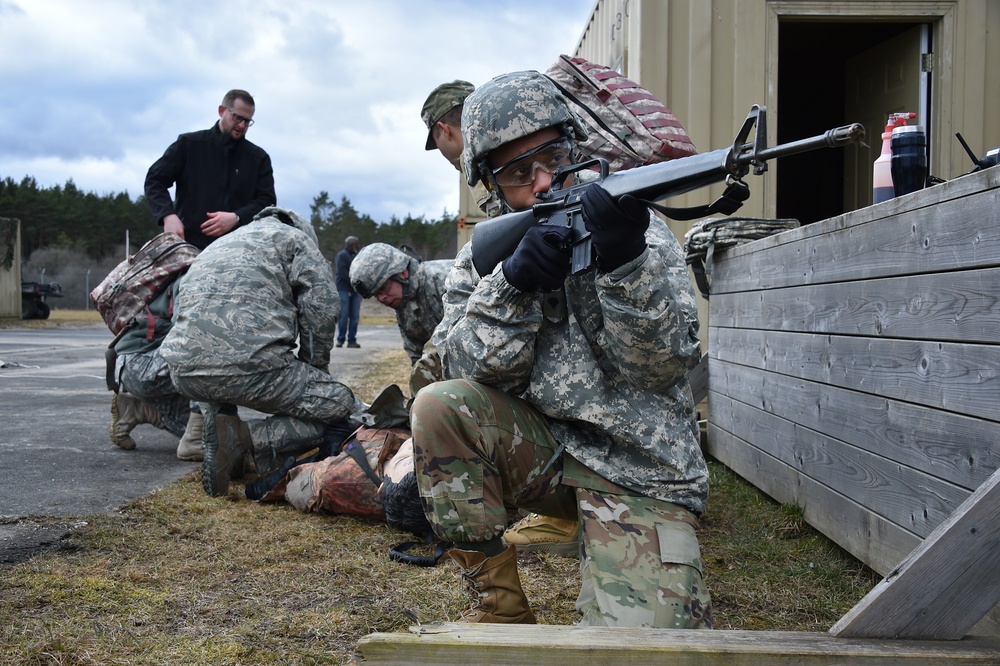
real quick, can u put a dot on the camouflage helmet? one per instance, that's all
(375, 264)
(509, 107)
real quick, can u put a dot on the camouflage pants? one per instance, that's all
(641, 564)
(478, 451)
(302, 399)
(146, 376)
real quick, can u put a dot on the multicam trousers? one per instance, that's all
(478, 452)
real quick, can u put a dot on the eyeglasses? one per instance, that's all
(521, 170)
(240, 119)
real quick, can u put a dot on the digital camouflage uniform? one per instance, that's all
(141, 370)
(422, 308)
(574, 402)
(244, 304)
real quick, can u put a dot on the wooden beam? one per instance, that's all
(946, 585)
(452, 643)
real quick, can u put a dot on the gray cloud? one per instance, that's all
(95, 91)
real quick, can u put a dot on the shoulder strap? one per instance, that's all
(702, 269)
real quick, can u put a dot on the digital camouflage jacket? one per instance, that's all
(604, 359)
(252, 295)
(423, 310)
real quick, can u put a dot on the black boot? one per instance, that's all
(265, 484)
(333, 439)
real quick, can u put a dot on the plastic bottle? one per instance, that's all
(882, 189)
(909, 159)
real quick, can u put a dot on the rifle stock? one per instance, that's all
(495, 239)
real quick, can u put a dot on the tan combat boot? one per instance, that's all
(126, 413)
(538, 533)
(495, 586)
(189, 448)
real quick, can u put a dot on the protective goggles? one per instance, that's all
(521, 170)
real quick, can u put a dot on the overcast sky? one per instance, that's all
(94, 90)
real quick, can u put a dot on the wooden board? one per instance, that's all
(945, 586)
(877, 542)
(957, 305)
(961, 378)
(943, 228)
(909, 498)
(497, 645)
(953, 447)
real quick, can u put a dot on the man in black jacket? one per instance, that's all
(222, 179)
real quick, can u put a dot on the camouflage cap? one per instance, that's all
(375, 264)
(442, 99)
(508, 107)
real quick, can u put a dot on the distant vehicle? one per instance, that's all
(33, 295)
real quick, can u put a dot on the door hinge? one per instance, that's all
(926, 62)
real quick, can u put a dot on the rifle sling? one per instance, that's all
(731, 200)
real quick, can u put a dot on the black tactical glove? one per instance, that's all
(617, 229)
(541, 260)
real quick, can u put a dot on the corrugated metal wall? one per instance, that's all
(10, 268)
(710, 60)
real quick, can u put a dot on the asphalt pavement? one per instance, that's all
(57, 462)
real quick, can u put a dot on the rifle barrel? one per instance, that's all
(667, 179)
(839, 136)
(493, 240)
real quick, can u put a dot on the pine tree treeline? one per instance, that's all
(76, 238)
(65, 217)
(335, 222)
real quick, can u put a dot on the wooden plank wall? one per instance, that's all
(855, 364)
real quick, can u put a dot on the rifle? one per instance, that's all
(495, 239)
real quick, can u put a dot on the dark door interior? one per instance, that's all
(812, 76)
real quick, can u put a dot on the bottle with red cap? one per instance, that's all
(882, 189)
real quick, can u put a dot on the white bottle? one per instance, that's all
(882, 170)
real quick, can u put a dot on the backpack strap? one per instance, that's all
(111, 360)
(702, 267)
(701, 276)
(357, 451)
(150, 324)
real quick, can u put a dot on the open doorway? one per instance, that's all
(821, 80)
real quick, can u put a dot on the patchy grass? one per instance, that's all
(181, 578)
(769, 570)
(373, 313)
(56, 319)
